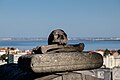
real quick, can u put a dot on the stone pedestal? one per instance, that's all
(60, 62)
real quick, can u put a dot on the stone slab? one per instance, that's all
(60, 62)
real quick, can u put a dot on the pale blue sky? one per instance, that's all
(78, 18)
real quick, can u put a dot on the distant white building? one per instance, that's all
(16, 57)
(111, 61)
(117, 61)
(2, 51)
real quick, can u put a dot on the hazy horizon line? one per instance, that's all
(69, 38)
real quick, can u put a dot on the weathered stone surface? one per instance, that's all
(57, 36)
(78, 76)
(59, 62)
(59, 48)
(116, 73)
(13, 72)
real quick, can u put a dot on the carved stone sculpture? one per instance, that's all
(59, 56)
(57, 36)
(57, 42)
(55, 61)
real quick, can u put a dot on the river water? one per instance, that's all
(89, 45)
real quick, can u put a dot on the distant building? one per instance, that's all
(111, 60)
(2, 51)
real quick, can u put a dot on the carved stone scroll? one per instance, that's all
(59, 48)
(60, 62)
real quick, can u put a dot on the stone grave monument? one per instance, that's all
(55, 61)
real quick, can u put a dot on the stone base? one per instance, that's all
(60, 62)
(13, 72)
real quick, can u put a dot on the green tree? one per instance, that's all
(106, 52)
(3, 57)
(118, 51)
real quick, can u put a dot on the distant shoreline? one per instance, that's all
(76, 38)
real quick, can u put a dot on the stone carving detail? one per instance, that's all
(57, 42)
(57, 36)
